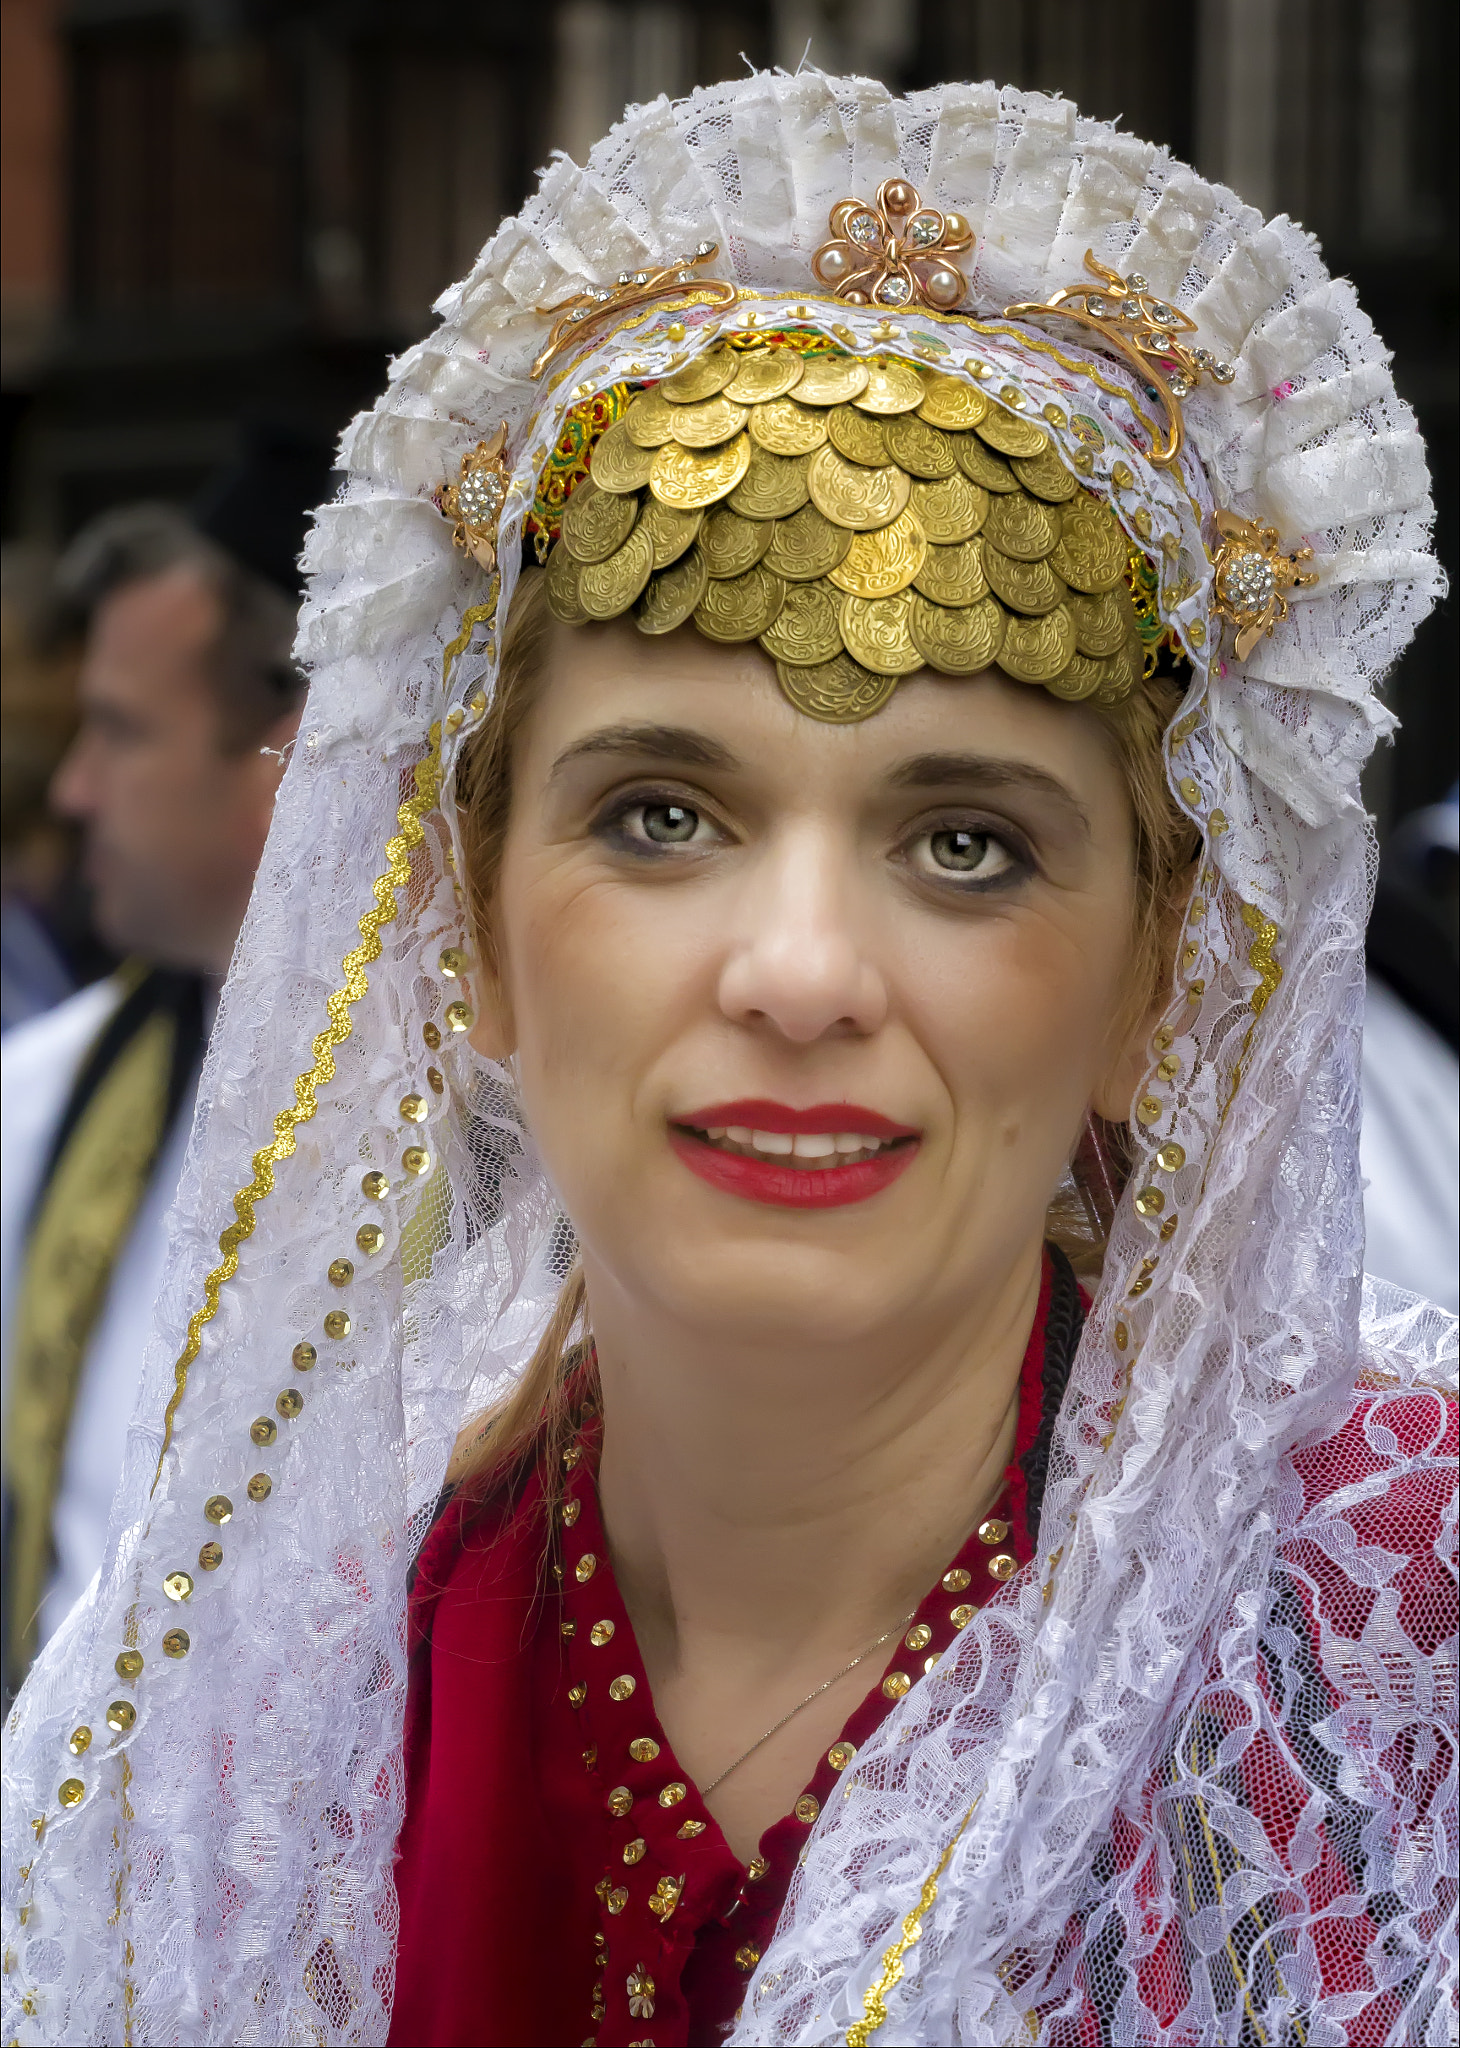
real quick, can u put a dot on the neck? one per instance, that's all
(779, 1508)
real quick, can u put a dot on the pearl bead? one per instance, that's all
(856, 298)
(957, 234)
(832, 265)
(899, 197)
(943, 285)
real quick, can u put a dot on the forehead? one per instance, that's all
(599, 678)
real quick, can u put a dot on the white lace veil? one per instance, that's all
(203, 1794)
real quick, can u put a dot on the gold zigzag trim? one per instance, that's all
(874, 2001)
(384, 889)
(397, 874)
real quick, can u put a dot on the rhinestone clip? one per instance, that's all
(1143, 329)
(574, 315)
(896, 252)
(1252, 577)
(474, 502)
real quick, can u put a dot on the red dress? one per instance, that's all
(559, 1876)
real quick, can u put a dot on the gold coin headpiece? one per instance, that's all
(858, 518)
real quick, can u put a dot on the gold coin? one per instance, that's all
(1123, 671)
(1021, 527)
(831, 380)
(688, 478)
(857, 435)
(1011, 435)
(806, 546)
(951, 509)
(786, 428)
(672, 595)
(763, 374)
(1081, 679)
(1028, 587)
(1092, 551)
(892, 387)
(807, 629)
(730, 544)
(958, 641)
(670, 531)
(607, 589)
(1046, 476)
(877, 632)
(838, 692)
(648, 420)
(951, 402)
(597, 523)
(852, 496)
(562, 587)
(708, 424)
(918, 448)
(1101, 623)
(953, 575)
(981, 466)
(1036, 650)
(773, 487)
(881, 563)
(702, 378)
(740, 607)
(619, 462)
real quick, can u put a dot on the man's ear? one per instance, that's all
(494, 1030)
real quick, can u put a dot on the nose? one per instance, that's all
(798, 959)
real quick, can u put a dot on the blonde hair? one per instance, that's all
(540, 1415)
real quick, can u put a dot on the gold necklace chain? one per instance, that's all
(896, 1629)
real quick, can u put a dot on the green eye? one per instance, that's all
(669, 824)
(959, 852)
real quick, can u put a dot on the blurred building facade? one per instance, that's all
(218, 210)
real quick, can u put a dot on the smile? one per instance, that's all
(818, 1158)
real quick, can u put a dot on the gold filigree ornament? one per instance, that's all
(574, 315)
(474, 502)
(896, 252)
(1252, 576)
(1146, 331)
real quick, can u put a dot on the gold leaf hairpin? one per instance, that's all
(896, 252)
(474, 502)
(1143, 329)
(574, 315)
(1252, 575)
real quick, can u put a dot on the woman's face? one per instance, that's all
(807, 1018)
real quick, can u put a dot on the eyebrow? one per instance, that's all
(677, 743)
(938, 771)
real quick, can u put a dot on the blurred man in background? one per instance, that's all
(188, 700)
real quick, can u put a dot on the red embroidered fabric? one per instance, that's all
(559, 1876)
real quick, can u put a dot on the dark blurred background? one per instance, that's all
(221, 213)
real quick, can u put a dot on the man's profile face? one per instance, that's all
(174, 824)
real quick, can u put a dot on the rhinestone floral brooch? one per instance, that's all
(474, 502)
(896, 252)
(1143, 329)
(583, 309)
(1252, 576)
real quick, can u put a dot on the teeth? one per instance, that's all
(814, 1149)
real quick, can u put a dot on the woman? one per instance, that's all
(897, 843)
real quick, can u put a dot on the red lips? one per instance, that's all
(785, 1185)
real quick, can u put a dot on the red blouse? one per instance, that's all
(559, 1876)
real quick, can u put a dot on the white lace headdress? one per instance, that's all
(203, 1774)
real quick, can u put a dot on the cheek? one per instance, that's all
(1018, 1019)
(596, 977)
